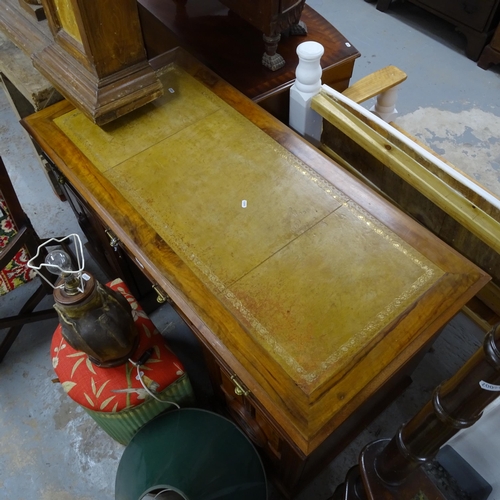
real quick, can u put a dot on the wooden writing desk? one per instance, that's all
(312, 302)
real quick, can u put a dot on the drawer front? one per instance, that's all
(249, 418)
(113, 258)
(475, 14)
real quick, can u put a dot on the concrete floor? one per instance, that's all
(51, 450)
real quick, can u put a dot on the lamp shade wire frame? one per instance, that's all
(80, 261)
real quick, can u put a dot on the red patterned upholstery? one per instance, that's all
(16, 272)
(116, 389)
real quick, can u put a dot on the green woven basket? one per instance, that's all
(122, 425)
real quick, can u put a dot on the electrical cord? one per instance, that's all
(141, 361)
(166, 490)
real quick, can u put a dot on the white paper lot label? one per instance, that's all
(489, 387)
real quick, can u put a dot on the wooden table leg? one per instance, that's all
(271, 59)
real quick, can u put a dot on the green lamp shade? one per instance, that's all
(190, 454)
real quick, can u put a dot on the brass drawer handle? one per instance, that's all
(162, 296)
(113, 240)
(239, 388)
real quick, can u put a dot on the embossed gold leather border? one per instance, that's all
(429, 272)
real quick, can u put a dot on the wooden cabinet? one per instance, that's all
(491, 53)
(97, 58)
(93, 53)
(271, 18)
(476, 19)
(313, 299)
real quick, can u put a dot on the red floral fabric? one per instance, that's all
(16, 272)
(119, 388)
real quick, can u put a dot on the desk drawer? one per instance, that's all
(239, 402)
(111, 256)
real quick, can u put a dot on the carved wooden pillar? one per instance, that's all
(391, 469)
(98, 60)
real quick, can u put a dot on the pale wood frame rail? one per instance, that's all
(459, 196)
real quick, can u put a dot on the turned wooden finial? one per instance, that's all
(307, 84)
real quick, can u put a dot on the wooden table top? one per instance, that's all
(305, 283)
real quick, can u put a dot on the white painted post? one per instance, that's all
(385, 106)
(307, 84)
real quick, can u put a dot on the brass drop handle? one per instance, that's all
(239, 388)
(113, 240)
(162, 296)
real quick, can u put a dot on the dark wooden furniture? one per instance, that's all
(491, 53)
(272, 18)
(97, 58)
(105, 247)
(33, 8)
(234, 54)
(26, 89)
(391, 469)
(27, 238)
(476, 19)
(312, 296)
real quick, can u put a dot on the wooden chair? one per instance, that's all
(25, 238)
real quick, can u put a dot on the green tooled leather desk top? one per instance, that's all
(295, 263)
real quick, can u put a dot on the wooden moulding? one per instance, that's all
(101, 100)
(97, 58)
(105, 76)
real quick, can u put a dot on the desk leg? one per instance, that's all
(383, 5)
(298, 29)
(488, 57)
